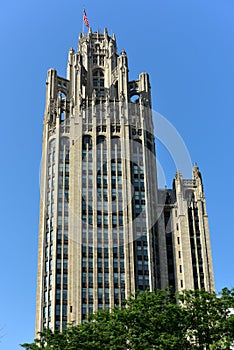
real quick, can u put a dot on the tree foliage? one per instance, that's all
(152, 320)
(208, 319)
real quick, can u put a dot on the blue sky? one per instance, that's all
(187, 47)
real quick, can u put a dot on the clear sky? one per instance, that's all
(187, 47)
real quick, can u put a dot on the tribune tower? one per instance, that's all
(105, 228)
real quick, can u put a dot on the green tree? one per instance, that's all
(47, 339)
(209, 322)
(152, 320)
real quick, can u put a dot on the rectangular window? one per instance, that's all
(45, 281)
(84, 309)
(60, 206)
(59, 248)
(44, 312)
(115, 278)
(59, 264)
(57, 310)
(65, 249)
(49, 311)
(64, 310)
(99, 277)
(84, 262)
(114, 219)
(58, 294)
(84, 277)
(65, 294)
(59, 220)
(90, 277)
(65, 264)
(65, 278)
(105, 219)
(122, 278)
(100, 293)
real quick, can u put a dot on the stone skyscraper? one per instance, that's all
(105, 228)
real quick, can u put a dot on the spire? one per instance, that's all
(196, 172)
(197, 176)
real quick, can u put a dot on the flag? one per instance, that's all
(86, 19)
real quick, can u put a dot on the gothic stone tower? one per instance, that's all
(103, 231)
(183, 222)
(98, 186)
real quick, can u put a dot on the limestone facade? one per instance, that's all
(105, 228)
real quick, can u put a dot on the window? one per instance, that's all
(58, 293)
(64, 310)
(84, 277)
(64, 294)
(59, 264)
(100, 293)
(45, 281)
(98, 82)
(99, 219)
(83, 309)
(99, 277)
(106, 263)
(65, 278)
(49, 311)
(90, 309)
(51, 235)
(115, 278)
(105, 219)
(90, 277)
(65, 264)
(114, 219)
(57, 310)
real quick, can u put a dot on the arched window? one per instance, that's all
(99, 82)
(87, 140)
(101, 139)
(134, 98)
(87, 146)
(62, 94)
